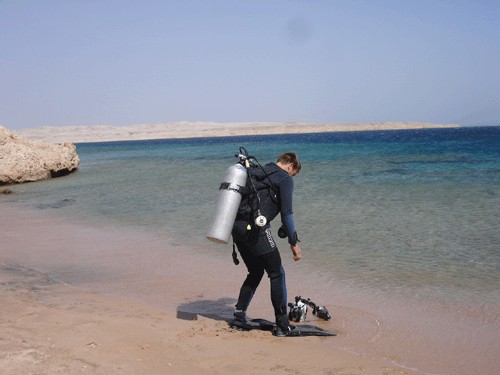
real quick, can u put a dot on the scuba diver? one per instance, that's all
(269, 192)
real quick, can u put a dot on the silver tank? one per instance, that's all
(227, 204)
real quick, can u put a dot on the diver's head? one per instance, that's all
(289, 161)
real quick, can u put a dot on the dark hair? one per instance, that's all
(290, 157)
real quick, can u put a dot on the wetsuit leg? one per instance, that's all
(260, 253)
(256, 265)
(255, 273)
(276, 273)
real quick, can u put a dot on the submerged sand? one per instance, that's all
(184, 129)
(48, 327)
(81, 298)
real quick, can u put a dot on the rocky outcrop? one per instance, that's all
(24, 160)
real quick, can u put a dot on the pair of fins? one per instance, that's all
(266, 325)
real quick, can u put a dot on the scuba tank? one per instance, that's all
(229, 199)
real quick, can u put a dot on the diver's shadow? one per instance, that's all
(221, 309)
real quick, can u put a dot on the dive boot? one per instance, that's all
(239, 320)
(283, 326)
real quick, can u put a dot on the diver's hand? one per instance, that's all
(297, 252)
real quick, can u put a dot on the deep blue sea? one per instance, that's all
(409, 212)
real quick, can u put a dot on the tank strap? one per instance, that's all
(235, 187)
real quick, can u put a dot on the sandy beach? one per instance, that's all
(77, 297)
(185, 129)
(49, 327)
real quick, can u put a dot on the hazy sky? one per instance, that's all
(122, 62)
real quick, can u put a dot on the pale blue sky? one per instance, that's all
(129, 62)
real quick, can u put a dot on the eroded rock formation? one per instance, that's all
(24, 160)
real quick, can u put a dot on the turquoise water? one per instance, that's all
(412, 212)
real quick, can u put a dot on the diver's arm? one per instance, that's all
(290, 228)
(292, 237)
(286, 192)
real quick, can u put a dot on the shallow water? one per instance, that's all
(399, 232)
(389, 211)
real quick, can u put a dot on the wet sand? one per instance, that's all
(79, 297)
(72, 300)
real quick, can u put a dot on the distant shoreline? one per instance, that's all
(177, 130)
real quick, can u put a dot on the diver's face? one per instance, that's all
(291, 170)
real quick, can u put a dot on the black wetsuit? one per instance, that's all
(256, 244)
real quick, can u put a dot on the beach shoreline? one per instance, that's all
(69, 288)
(51, 326)
(93, 275)
(200, 129)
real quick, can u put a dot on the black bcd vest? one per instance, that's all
(261, 195)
